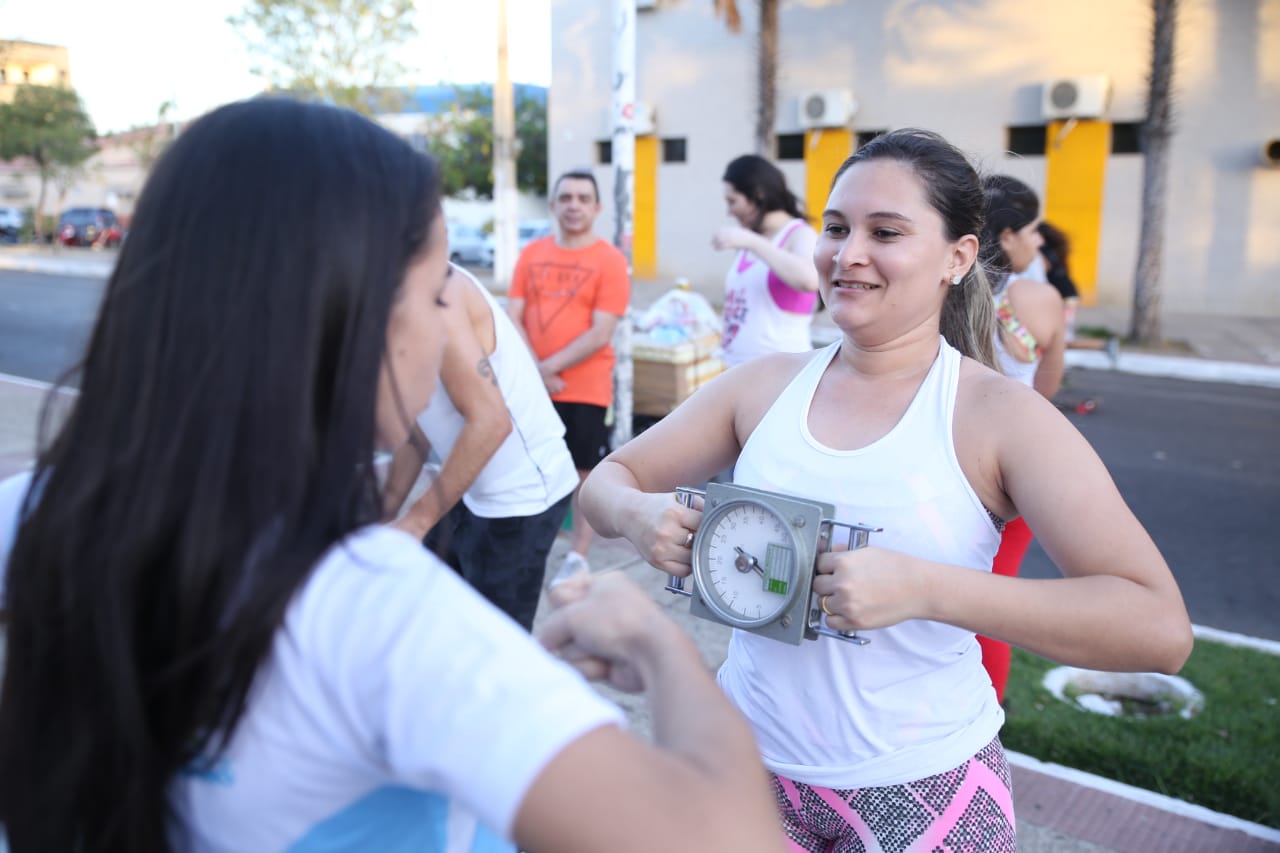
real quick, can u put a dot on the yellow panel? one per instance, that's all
(824, 151)
(1076, 164)
(644, 245)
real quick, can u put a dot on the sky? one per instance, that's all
(130, 56)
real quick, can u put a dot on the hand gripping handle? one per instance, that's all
(858, 535)
(685, 496)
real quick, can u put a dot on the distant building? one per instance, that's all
(27, 62)
(1052, 93)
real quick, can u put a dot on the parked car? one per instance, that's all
(12, 220)
(527, 232)
(89, 226)
(469, 245)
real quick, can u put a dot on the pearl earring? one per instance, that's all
(956, 279)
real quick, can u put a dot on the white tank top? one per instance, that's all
(532, 469)
(762, 314)
(1019, 371)
(916, 700)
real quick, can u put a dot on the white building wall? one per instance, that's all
(968, 69)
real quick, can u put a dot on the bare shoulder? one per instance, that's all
(741, 395)
(995, 404)
(1030, 294)
(767, 375)
(756, 384)
(997, 419)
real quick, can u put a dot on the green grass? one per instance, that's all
(1227, 758)
(1095, 332)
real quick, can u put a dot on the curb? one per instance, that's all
(1177, 367)
(57, 266)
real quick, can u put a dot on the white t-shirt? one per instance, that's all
(398, 710)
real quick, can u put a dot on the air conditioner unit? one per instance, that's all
(1075, 97)
(641, 5)
(826, 108)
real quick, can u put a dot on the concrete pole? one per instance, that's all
(504, 163)
(624, 163)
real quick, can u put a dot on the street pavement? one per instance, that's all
(1059, 809)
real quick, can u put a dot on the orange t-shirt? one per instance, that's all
(561, 288)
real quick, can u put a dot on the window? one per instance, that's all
(790, 146)
(674, 150)
(604, 152)
(1126, 137)
(1026, 140)
(865, 136)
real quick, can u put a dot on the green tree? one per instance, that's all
(49, 125)
(531, 137)
(340, 51)
(462, 141)
(149, 142)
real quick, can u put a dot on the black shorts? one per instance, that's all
(505, 559)
(585, 432)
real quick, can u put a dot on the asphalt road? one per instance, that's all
(1199, 463)
(45, 321)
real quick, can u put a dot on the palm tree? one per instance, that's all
(1157, 130)
(766, 68)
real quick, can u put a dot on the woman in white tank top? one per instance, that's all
(1030, 339)
(903, 424)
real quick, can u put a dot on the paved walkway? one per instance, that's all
(1059, 810)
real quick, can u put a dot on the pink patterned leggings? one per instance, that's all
(965, 810)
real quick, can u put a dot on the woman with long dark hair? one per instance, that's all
(771, 288)
(212, 643)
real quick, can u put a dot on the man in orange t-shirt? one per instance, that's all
(567, 293)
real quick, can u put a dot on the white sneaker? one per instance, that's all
(574, 564)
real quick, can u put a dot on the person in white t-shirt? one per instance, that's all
(902, 424)
(212, 642)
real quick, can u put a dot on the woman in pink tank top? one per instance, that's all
(771, 289)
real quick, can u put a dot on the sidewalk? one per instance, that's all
(1058, 809)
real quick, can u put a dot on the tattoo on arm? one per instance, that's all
(486, 371)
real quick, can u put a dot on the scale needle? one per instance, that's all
(746, 563)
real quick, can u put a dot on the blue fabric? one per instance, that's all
(391, 820)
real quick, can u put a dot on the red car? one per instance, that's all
(89, 226)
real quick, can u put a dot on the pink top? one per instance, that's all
(762, 314)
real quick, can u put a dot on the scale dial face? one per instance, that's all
(745, 563)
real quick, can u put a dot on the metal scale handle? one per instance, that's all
(859, 534)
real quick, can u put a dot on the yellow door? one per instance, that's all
(1076, 165)
(644, 245)
(824, 151)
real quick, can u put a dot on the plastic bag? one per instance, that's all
(678, 315)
